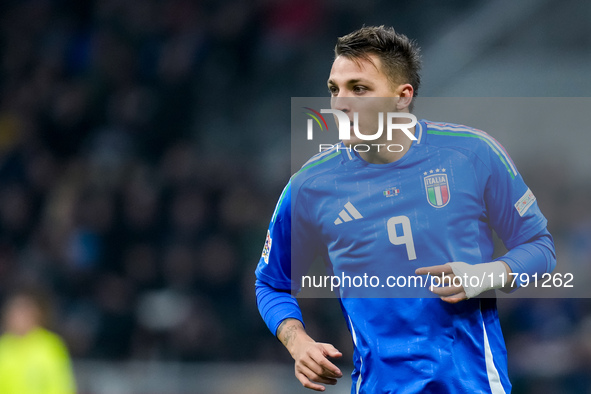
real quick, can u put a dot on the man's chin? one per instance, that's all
(351, 143)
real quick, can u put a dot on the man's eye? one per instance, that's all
(359, 89)
(333, 90)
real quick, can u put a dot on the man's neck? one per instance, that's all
(384, 152)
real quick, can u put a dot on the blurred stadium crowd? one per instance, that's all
(139, 168)
(145, 241)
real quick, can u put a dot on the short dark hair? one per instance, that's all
(399, 55)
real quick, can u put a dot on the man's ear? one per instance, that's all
(406, 93)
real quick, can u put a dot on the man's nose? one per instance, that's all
(341, 102)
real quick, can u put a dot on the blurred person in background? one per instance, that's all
(33, 360)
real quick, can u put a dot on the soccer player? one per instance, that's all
(426, 207)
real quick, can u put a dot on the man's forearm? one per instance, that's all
(275, 306)
(535, 256)
(290, 331)
(509, 285)
(311, 358)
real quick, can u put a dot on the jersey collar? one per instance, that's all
(352, 156)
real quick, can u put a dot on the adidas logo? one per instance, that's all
(345, 214)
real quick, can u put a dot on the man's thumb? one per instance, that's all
(332, 351)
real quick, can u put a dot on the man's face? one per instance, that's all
(21, 315)
(358, 85)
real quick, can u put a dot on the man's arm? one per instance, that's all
(534, 256)
(498, 270)
(290, 247)
(513, 213)
(311, 357)
(282, 314)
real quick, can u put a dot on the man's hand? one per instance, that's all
(311, 358)
(488, 276)
(452, 294)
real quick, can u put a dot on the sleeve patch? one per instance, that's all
(526, 201)
(267, 248)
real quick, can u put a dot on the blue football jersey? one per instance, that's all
(439, 203)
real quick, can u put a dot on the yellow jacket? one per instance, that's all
(37, 363)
